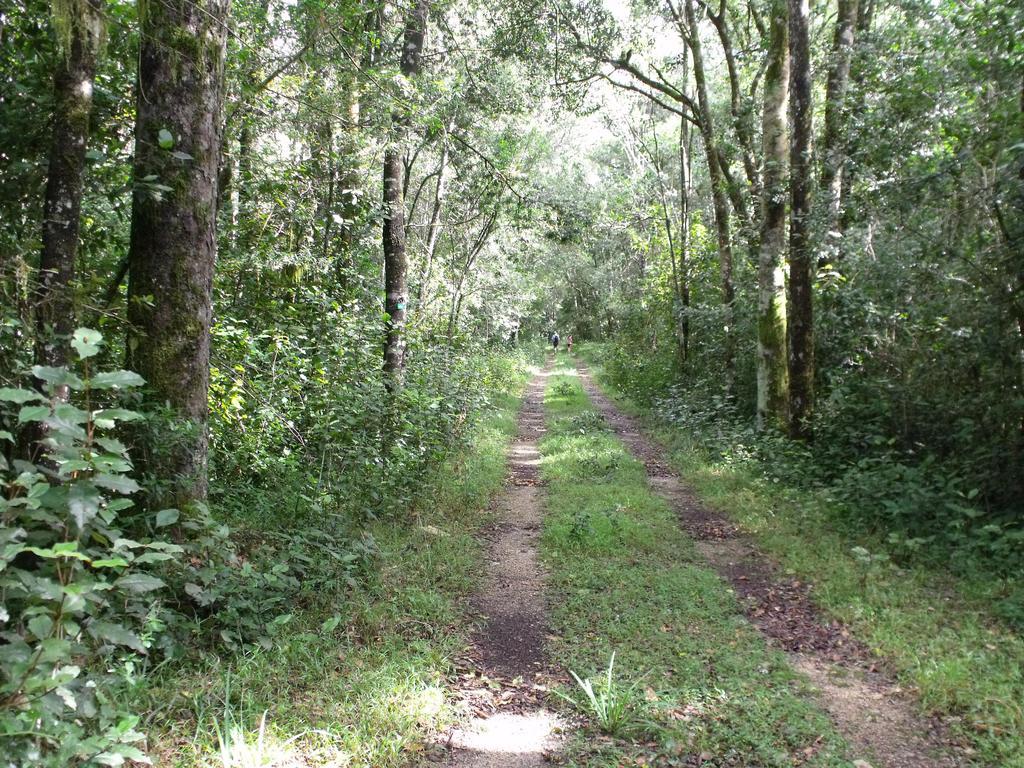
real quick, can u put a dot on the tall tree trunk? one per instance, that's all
(173, 239)
(719, 197)
(348, 182)
(434, 227)
(833, 147)
(682, 310)
(396, 264)
(801, 265)
(73, 86)
(772, 373)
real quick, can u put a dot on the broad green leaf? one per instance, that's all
(86, 342)
(108, 416)
(11, 395)
(113, 562)
(116, 380)
(167, 517)
(33, 413)
(165, 139)
(83, 503)
(118, 483)
(40, 626)
(57, 376)
(112, 445)
(139, 582)
(115, 633)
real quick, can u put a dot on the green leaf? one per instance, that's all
(110, 415)
(57, 376)
(115, 633)
(83, 503)
(113, 562)
(113, 445)
(55, 553)
(165, 139)
(118, 483)
(139, 582)
(167, 517)
(12, 395)
(40, 626)
(86, 342)
(33, 413)
(153, 557)
(116, 380)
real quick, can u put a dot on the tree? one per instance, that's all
(833, 144)
(396, 265)
(79, 27)
(772, 373)
(800, 313)
(173, 245)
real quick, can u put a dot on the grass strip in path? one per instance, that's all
(362, 684)
(696, 681)
(933, 631)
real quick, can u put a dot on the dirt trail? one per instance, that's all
(504, 680)
(864, 702)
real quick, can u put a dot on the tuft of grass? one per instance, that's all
(611, 704)
(941, 634)
(625, 578)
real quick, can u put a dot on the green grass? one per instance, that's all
(938, 633)
(371, 689)
(624, 578)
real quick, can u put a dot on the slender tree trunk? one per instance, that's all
(682, 311)
(719, 198)
(833, 147)
(173, 239)
(73, 86)
(801, 265)
(772, 373)
(434, 228)
(396, 263)
(348, 183)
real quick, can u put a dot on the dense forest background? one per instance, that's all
(263, 267)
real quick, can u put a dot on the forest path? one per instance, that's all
(867, 706)
(506, 680)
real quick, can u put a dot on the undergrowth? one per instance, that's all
(355, 675)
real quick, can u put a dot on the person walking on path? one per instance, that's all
(568, 344)
(554, 341)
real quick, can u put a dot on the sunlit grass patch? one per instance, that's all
(626, 580)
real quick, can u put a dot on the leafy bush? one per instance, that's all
(81, 605)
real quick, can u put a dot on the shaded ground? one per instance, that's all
(867, 706)
(504, 679)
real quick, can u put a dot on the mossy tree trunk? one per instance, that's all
(79, 32)
(800, 314)
(396, 263)
(173, 245)
(772, 373)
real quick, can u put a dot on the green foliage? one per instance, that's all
(81, 601)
